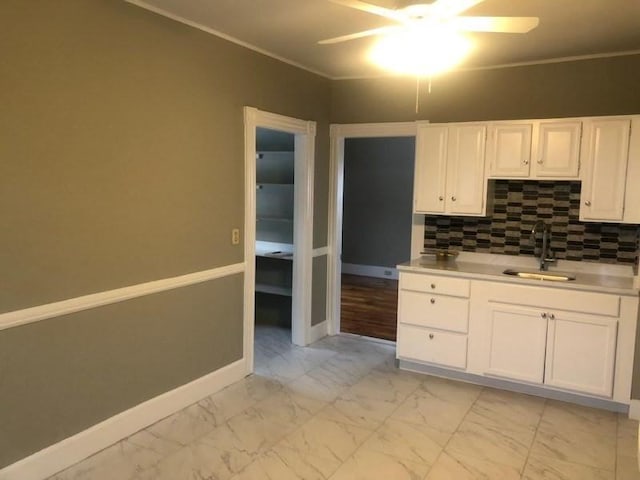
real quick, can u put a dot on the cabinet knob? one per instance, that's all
(453, 198)
(431, 336)
(587, 203)
(552, 316)
(540, 160)
(441, 198)
(543, 315)
(433, 300)
(433, 285)
(526, 162)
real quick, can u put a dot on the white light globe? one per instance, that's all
(423, 51)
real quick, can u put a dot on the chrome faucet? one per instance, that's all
(546, 255)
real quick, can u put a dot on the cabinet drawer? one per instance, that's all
(557, 298)
(457, 287)
(424, 345)
(436, 311)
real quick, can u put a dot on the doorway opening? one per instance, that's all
(279, 158)
(380, 273)
(274, 261)
(376, 232)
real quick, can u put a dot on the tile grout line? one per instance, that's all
(535, 436)
(482, 389)
(374, 431)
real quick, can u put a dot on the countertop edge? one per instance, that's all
(498, 276)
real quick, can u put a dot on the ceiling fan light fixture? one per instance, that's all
(421, 52)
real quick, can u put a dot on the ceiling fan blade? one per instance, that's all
(495, 24)
(450, 8)
(375, 9)
(353, 36)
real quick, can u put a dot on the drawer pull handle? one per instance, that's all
(431, 336)
(433, 300)
(543, 315)
(433, 285)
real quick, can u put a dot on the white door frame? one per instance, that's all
(305, 133)
(338, 133)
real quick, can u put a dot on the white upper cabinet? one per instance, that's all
(430, 169)
(605, 148)
(465, 170)
(450, 169)
(557, 149)
(534, 149)
(509, 149)
(632, 192)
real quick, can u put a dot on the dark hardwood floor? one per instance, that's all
(369, 306)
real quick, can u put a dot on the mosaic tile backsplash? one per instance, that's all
(517, 205)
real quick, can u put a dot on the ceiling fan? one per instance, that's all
(438, 14)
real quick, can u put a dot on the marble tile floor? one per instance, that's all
(340, 410)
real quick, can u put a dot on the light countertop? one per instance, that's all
(589, 276)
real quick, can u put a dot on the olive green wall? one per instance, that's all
(61, 376)
(604, 86)
(122, 162)
(123, 146)
(319, 291)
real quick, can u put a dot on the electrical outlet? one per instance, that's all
(235, 236)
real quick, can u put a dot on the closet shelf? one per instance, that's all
(274, 219)
(273, 289)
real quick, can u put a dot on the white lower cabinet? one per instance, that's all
(444, 348)
(550, 337)
(517, 343)
(562, 349)
(433, 319)
(581, 352)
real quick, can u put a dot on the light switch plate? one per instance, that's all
(235, 236)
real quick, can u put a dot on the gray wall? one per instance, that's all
(122, 163)
(378, 200)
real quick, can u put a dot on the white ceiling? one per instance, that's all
(290, 29)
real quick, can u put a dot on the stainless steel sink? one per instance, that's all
(551, 276)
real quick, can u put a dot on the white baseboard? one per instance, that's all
(316, 332)
(370, 271)
(634, 410)
(70, 451)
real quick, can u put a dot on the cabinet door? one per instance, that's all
(465, 170)
(431, 159)
(581, 352)
(517, 340)
(605, 152)
(509, 150)
(558, 149)
(632, 192)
